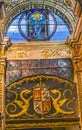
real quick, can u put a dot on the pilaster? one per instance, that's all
(2, 86)
(77, 62)
(2, 17)
(75, 44)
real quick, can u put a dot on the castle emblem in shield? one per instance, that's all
(41, 98)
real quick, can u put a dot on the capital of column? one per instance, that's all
(77, 62)
(6, 41)
(4, 45)
(70, 42)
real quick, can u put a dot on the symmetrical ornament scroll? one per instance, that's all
(23, 104)
(40, 97)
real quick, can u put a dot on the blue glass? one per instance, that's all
(37, 25)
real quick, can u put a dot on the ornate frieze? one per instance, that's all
(38, 52)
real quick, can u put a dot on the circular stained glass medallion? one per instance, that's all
(38, 25)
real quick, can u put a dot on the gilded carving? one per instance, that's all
(31, 52)
(37, 125)
(79, 65)
(1, 69)
(23, 104)
(2, 84)
(1, 51)
(56, 53)
(21, 54)
(57, 103)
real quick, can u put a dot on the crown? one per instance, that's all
(41, 85)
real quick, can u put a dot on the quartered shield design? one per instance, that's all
(41, 100)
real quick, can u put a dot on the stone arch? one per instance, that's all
(58, 7)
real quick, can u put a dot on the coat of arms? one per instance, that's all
(41, 99)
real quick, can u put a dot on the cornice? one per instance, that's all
(75, 44)
(43, 50)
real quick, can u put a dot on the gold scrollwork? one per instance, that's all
(33, 78)
(23, 104)
(58, 103)
(62, 99)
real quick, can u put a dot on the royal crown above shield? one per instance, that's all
(41, 99)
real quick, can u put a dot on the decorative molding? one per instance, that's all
(39, 51)
(45, 125)
(2, 76)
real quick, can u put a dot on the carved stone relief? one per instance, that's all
(38, 52)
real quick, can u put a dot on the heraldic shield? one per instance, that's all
(41, 100)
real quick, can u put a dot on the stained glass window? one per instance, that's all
(23, 68)
(37, 24)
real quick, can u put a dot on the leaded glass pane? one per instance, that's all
(22, 68)
(37, 24)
